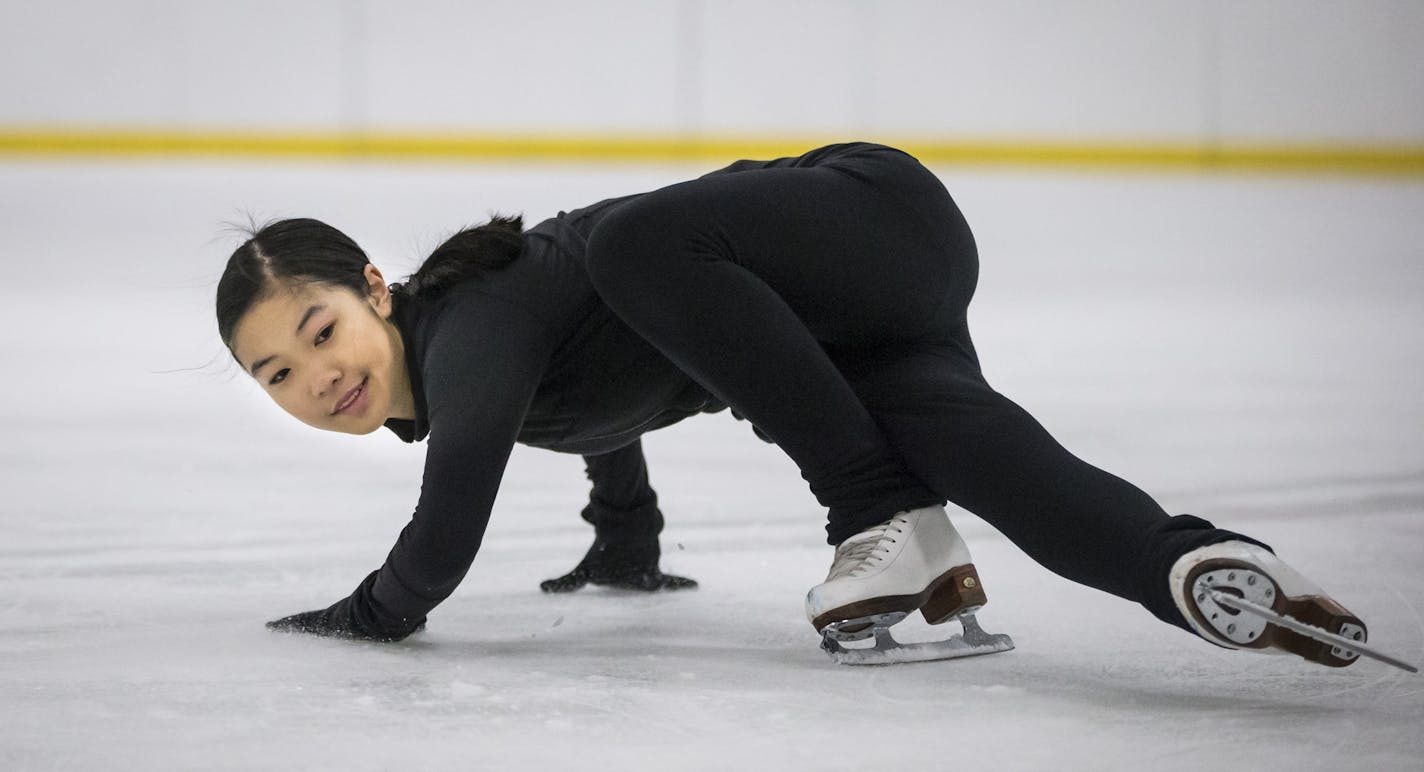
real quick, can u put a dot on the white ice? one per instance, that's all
(1250, 349)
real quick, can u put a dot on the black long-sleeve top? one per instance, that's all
(527, 353)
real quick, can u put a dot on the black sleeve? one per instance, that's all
(482, 368)
(623, 509)
(620, 479)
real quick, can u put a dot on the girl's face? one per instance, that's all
(328, 356)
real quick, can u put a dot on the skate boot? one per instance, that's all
(1208, 581)
(913, 561)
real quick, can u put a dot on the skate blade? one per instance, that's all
(886, 650)
(1338, 641)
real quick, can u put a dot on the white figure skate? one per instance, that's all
(1241, 596)
(913, 561)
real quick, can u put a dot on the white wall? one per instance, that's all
(1135, 70)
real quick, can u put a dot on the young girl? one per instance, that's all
(821, 297)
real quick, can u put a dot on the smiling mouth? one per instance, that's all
(349, 399)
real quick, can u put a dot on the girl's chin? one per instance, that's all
(366, 423)
(348, 427)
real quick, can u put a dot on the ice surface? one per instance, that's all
(1248, 349)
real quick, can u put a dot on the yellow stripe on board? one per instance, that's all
(1400, 160)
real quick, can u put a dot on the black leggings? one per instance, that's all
(825, 300)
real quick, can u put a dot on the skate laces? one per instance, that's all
(862, 550)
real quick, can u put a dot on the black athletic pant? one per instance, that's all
(824, 299)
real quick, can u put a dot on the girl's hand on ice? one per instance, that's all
(332, 622)
(310, 622)
(638, 578)
(624, 554)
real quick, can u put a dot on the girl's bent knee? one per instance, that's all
(641, 237)
(621, 238)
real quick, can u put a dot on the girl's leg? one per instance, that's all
(827, 305)
(986, 454)
(739, 278)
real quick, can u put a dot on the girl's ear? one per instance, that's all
(378, 294)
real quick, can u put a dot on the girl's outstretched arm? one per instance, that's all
(480, 372)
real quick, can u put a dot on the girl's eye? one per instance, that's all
(279, 376)
(325, 333)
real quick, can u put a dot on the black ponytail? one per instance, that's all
(467, 254)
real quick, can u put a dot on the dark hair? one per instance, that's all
(286, 252)
(467, 254)
(289, 252)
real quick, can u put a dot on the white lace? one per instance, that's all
(865, 549)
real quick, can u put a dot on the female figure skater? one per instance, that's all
(821, 297)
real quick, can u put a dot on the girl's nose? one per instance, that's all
(322, 383)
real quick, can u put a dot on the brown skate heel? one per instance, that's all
(1243, 630)
(1325, 613)
(953, 593)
